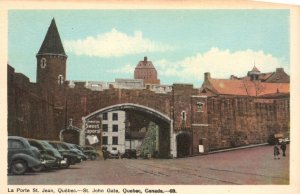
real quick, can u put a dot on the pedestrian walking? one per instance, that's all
(276, 152)
(104, 153)
(283, 148)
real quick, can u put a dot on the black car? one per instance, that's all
(74, 148)
(69, 156)
(90, 152)
(47, 155)
(129, 153)
(21, 155)
(61, 163)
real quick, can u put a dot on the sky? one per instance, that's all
(103, 45)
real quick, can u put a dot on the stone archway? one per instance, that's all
(183, 143)
(70, 135)
(168, 124)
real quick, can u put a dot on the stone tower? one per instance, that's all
(51, 60)
(145, 70)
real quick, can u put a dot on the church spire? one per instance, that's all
(52, 43)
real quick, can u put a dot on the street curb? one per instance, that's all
(226, 150)
(237, 148)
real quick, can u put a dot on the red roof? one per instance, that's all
(265, 76)
(246, 87)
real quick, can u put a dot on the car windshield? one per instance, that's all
(64, 146)
(46, 144)
(78, 147)
(59, 146)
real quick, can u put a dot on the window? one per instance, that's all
(104, 140)
(200, 106)
(35, 144)
(183, 115)
(115, 116)
(105, 127)
(115, 128)
(60, 80)
(104, 116)
(115, 140)
(13, 143)
(43, 63)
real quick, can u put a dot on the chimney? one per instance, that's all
(145, 59)
(206, 76)
(279, 70)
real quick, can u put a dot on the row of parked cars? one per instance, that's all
(32, 154)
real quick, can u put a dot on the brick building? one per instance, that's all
(242, 112)
(279, 76)
(222, 113)
(146, 71)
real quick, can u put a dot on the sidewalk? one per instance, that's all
(238, 148)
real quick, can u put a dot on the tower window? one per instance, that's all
(183, 115)
(60, 80)
(43, 63)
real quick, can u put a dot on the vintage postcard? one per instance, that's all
(150, 97)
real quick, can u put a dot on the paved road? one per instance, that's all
(248, 166)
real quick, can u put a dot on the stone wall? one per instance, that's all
(214, 121)
(236, 121)
(30, 113)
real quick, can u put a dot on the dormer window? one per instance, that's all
(43, 63)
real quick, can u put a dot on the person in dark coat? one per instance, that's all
(283, 148)
(104, 153)
(276, 152)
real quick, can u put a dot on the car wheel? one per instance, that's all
(71, 161)
(93, 157)
(65, 165)
(19, 167)
(38, 168)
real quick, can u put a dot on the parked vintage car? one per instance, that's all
(129, 153)
(114, 154)
(21, 155)
(61, 163)
(47, 156)
(90, 152)
(69, 156)
(75, 149)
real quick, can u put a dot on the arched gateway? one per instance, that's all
(167, 147)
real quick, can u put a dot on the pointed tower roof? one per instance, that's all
(52, 43)
(255, 69)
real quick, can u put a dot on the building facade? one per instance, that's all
(113, 131)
